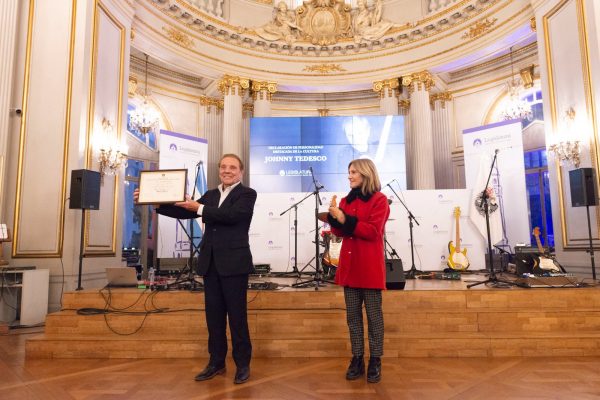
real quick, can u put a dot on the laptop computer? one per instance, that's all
(121, 277)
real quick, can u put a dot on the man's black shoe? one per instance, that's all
(210, 372)
(356, 368)
(374, 370)
(241, 375)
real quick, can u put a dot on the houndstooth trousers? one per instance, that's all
(372, 299)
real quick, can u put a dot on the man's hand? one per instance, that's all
(136, 196)
(188, 204)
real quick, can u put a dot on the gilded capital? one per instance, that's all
(404, 104)
(442, 97)
(132, 86)
(247, 107)
(263, 90)
(230, 84)
(422, 80)
(527, 76)
(390, 84)
(533, 24)
(211, 101)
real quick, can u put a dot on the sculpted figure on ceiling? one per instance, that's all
(325, 22)
(282, 27)
(368, 24)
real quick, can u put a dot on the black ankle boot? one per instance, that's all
(356, 368)
(374, 370)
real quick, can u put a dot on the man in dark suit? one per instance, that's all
(225, 261)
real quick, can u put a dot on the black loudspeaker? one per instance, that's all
(583, 189)
(394, 275)
(85, 189)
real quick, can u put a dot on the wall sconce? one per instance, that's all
(568, 151)
(112, 155)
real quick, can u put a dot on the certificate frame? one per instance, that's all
(162, 186)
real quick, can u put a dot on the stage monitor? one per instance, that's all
(284, 150)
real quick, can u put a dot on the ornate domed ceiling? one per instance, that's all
(326, 43)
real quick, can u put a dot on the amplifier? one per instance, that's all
(529, 250)
(262, 269)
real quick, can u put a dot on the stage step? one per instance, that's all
(418, 323)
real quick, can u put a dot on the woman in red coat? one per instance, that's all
(360, 220)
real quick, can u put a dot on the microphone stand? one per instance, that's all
(317, 278)
(413, 272)
(295, 270)
(194, 286)
(492, 278)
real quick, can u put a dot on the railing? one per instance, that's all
(437, 5)
(211, 7)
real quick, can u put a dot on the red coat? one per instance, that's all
(362, 263)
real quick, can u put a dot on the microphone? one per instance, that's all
(311, 171)
(199, 163)
(496, 151)
(388, 184)
(390, 201)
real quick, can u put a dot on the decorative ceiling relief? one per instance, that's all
(326, 22)
(324, 68)
(479, 28)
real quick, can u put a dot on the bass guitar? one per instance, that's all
(545, 263)
(457, 258)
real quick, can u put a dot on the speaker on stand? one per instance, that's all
(583, 194)
(84, 195)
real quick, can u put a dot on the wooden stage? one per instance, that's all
(430, 318)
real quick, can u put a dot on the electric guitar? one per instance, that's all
(457, 259)
(545, 263)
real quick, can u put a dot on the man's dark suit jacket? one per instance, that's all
(225, 235)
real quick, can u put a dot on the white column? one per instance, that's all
(442, 132)
(403, 109)
(211, 110)
(262, 94)
(233, 89)
(8, 22)
(247, 113)
(419, 141)
(388, 95)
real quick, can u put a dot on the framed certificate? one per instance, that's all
(162, 186)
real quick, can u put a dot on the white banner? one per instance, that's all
(178, 151)
(510, 222)
(272, 235)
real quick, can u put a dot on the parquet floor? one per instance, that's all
(294, 378)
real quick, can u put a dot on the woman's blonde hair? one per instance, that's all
(368, 171)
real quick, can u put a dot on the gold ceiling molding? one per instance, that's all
(218, 30)
(519, 13)
(527, 51)
(230, 84)
(324, 68)
(181, 38)
(442, 97)
(479, 28)
(420, 78)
